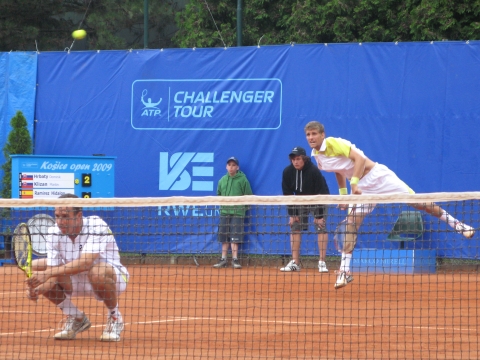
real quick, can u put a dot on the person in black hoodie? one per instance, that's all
(301, 177)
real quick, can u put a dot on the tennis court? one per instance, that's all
(185, 311)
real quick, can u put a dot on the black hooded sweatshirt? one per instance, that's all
(308, 181)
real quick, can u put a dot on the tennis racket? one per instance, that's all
(38, 226)
(345, 237)
(22, 248)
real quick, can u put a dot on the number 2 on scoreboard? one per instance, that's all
(86, 180)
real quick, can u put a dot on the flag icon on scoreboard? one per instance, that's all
(26, 176)
(26, 194)
(26, 184)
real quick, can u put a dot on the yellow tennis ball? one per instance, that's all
(79, 34)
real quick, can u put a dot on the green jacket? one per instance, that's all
(236, 185)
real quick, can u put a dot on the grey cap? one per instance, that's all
(234, 159)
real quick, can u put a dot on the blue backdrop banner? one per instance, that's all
(173, 117)
(18, 84)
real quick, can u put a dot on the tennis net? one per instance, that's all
(409, 291)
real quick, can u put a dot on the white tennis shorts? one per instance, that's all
(382, 180)
(82, 287)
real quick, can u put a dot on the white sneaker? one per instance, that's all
(343, 279)
(322, 267)
(464, 229)
(72, 327)
(291, 266)
(113, 328)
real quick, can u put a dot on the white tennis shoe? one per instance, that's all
(113, 329)
(343, 278)
(291, 266)
(72, 327)
(322, 267)
(464, 229)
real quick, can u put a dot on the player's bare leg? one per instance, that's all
(59, 293)
(355, 216)
(103, 279)
(55, 289)
(438, 212)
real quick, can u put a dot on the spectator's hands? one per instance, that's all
(293, 219)
(319, 222)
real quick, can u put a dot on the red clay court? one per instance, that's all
(189, 312)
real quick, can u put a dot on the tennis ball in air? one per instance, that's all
(79, 34)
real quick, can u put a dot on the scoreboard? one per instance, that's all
(44, 176)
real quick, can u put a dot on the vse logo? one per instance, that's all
(175, 176)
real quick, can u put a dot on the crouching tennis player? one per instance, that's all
(82, 260)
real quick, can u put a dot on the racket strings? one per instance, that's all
(20, 248)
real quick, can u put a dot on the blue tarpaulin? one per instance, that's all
(172, 118)
(18, 84)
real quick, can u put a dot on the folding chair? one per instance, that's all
(408, 227)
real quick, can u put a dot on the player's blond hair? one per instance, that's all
(315, 125)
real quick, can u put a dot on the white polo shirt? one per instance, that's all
(95, 238)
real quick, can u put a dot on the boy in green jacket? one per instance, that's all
(231, 226)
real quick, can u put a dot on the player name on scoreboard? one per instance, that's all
(45, 185)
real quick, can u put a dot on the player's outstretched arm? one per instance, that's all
(39, 265)
(360, 161)
(342, 186)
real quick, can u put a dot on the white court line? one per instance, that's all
(10, 292)
(433, 328)
(102, 325)
(22, 312)
(49, 313)
(21, 291)
(338, 324)
(200, 291)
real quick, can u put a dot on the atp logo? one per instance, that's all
(150, 108)
(174, 174)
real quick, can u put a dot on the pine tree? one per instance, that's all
(19, 142)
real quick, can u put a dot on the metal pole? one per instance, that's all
(145, 24)
(239, 23)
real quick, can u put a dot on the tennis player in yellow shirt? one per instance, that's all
(366, 177)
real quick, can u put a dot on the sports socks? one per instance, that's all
(345, 264)
(449, 219)
(115, 313)
(69, 309)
